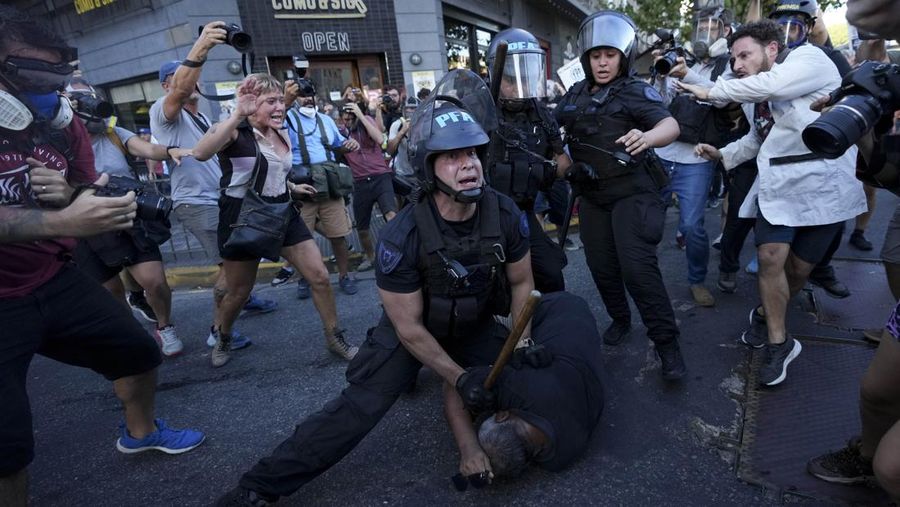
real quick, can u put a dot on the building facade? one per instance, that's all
(359, 43)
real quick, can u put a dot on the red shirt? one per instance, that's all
(26, 266)
(368, 160)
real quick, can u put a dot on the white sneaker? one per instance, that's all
(168, 341)
(365, 265)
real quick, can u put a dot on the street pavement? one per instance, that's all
(656, 444)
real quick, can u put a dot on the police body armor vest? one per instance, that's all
(465, 277)
(512, 170)
(592, 124)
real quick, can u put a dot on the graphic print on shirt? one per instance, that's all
(15, 176)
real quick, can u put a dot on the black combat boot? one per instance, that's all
(673, 367)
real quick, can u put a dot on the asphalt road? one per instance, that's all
(657, 443)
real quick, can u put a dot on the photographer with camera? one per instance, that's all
(398, 150)
(47, 306)
(389, 107)
(691, 175)
(176, 121)
(799, 200)
(314, 141)
(104, 256)
(372, 177)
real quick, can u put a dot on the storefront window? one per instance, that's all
(463, 40)
(133, 101)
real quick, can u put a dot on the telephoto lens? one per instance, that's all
(237, 38)
(92, 105)
(841, 126)
(664, 65)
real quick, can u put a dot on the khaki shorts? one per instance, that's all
(330, 218)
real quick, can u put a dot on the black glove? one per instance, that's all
(536, 356)
(581, 173)
(470, 386)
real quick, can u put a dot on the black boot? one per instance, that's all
(827, 280)
(673, 367)
(616, 332)
(858, 240)
(242, 497)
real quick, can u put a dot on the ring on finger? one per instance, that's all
(43, 188)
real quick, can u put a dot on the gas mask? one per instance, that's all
(708, 31)
(33, 93)
(718, 48)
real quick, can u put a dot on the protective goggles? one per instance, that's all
(796, 30)
(37, 76)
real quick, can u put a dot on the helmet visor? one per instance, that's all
(607, 30)
(795, 30)
(523, 76)
(708, 30)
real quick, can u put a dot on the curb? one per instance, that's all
(203, 277)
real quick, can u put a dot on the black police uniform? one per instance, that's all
(622, 215)
(459, 315)
(517, 167)
(565, 398)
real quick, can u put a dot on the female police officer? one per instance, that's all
(612, 120)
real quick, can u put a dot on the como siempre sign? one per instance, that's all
(319, 9)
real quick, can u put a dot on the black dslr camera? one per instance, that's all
(236, 38)
(90, 105)
(674, 50)
(866, 95)
(150, 205)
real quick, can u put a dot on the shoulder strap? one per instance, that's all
(489, 209)
(116, 140)
(429, 229)
(198, 120)
(719, 68)
(327, 147)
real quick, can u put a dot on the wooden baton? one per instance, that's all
(514, 334)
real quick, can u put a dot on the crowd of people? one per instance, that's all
(464, 176)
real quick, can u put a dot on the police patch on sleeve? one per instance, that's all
(388, 257)
(651, 94)
(524, 230)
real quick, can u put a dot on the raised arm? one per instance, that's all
(221, 134)
(184, 82)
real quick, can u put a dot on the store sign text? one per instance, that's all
(82, 6)
(319, 9)
(316, 42)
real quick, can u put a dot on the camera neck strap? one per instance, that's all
(117, 141)
(245, 68)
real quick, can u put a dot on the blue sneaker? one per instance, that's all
(303, 290)
(753, 267)
(164, 439)
(238, 340)
(256, 306)
(348, 285)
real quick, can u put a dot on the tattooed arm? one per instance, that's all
(86, 216)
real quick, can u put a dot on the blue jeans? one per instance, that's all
(690, 182)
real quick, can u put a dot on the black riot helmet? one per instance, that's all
(307, 88)
(797, 17)
(454, 116)
(524, 73)
(607, 29)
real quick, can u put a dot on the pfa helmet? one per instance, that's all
(524, 72)
(607, 29)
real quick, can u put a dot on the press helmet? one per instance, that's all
(607, 29)
(797, 17)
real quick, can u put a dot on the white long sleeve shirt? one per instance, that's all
(814, 192)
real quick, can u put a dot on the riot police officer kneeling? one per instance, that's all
(444, 267)
(612, 120)
(526, 154)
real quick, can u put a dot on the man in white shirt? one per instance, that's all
(798, 198)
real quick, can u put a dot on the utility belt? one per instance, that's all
(649, 165)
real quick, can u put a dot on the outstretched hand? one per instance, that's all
(247, 97)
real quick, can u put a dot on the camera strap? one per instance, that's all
(793, 159)
(199, 120)
(132, 164)
(244, 68)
